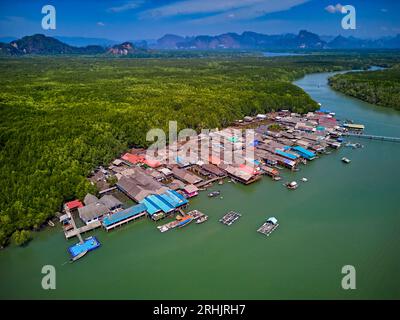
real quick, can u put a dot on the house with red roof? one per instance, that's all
(73, 205)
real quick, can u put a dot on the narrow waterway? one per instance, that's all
(344, 215)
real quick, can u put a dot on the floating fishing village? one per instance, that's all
(147, 187)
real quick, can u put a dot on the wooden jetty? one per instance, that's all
(230, 218)
(373, 137)
(107, 190)
(205, 183)
(76, 232)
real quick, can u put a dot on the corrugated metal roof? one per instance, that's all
(159, 202)
(178, 198)
(273, 220)
(304, 151)
(125, 214)
(151, 208)
(74, 204)
(165, 202)
(92, 211)
(286, 155)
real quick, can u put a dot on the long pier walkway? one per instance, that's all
(76, 232)
(373, 137)
(204, 183)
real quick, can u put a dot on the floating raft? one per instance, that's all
(269, 226)
(78, 250)
(230, 218)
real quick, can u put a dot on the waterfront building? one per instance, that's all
(304, 153)
(92, 212)
(114, 220)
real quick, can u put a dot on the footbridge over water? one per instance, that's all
(373, 137)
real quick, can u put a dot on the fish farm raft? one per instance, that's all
(230, 218)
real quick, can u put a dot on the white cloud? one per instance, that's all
(100, 24)
(127, 6)
(198, 7)
(251, 12)
(334, 9)
(222, 9)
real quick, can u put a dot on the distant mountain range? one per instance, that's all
(39, 44)
(247, 40)
(259, 41)
(43, 45)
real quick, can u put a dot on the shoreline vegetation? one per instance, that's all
(63, 117)
(380, 87)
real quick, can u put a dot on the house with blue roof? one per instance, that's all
(286, 155)
(304, 153)
(112, 221)
(164, 203)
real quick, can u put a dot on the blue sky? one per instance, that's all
(148, 19)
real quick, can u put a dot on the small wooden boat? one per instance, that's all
(351, 145)
(202, 219)
(346, 160)
(304, 179)
(51, 223)
(185, 222)
(292, 185)
(276, 178)
(214, 194)
(83, 253)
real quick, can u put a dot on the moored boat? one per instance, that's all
(346, 160)
(185, 222)
(292, 185)
(80, 255)
(214, 194)
(79, 250)
(202, 219)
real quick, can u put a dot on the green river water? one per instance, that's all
(344, 215)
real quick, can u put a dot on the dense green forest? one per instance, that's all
(63, 116)
(378, 87)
